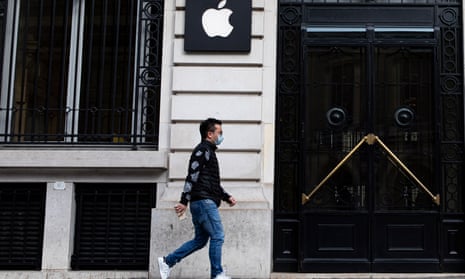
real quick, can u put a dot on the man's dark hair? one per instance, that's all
(208, 125)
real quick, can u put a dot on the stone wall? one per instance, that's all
(240, 90)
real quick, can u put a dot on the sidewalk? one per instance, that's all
(366, 275)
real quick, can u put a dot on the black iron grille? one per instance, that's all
(99, 85)
(113, 226)
(22, 209)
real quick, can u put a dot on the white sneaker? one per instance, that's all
(164, 268)
(222, 276)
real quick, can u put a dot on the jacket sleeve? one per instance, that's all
(199, 158)
(225, 196)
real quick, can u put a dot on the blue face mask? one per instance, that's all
(219, 140)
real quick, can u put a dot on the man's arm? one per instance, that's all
(199, 157)
(228, 198)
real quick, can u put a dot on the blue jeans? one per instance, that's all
(207, 224)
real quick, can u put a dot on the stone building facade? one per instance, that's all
(100, 107)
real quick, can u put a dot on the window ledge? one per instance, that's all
(83, 159)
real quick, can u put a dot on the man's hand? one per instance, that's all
(180, 209)
(232, 201)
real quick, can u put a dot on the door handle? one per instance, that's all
(436, 199)
(370, 139)
(306, 198)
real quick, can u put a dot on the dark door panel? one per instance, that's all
(335, 242)
(403, 117)
(405, 242)
(453, 235)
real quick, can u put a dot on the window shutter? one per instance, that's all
(112, 226)
(22, 210)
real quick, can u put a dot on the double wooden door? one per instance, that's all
(374, 212)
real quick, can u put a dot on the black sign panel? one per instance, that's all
(218, 25)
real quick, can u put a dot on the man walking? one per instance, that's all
(203, 190)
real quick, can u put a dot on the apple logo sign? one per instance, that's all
(217, 26)
(215, 22)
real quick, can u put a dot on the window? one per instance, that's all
(113, 226)
(22, 211)
(76, 76)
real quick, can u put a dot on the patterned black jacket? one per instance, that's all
(203, 177)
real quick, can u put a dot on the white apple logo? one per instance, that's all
(215, 22)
